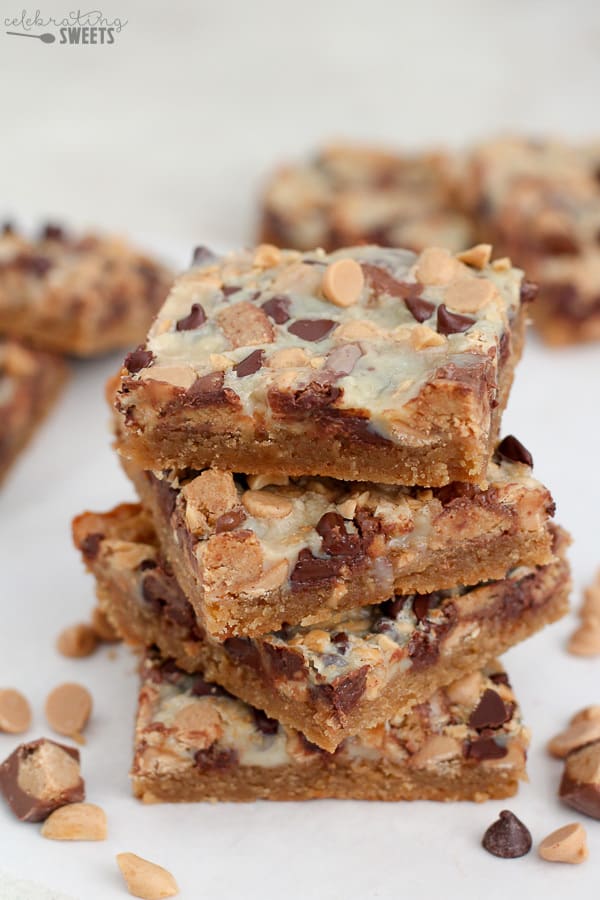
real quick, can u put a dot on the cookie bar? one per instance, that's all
(339, 677)
(368, 364)
(194, 741)
(80, 295)
(30, 382)
(252, 555)
(350, 194)
(539, 202)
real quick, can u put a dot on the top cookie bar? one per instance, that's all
(366, 364)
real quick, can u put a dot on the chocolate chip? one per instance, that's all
(499, 678)
(420, 309)
(311, 329)
(215, 758)
(340, 639)
(284, 662)
(420, 606)
(265, 724)
(90, 545)
(201, 256)
(345, 692)
(52, 232)
(36, 265)
(452, 323)
(392, 608)
(485, 748)
(512, 449)
(203, 688)
(244, 651)
(278, 308)
(336, 541)
(138, 359)
(209, 390)
(529, 291)
(228, 289)
(250, 364)
(310, 569)
(229, 520)
(195, 319)
(342, 360)
(316, 395)
(507, 837)
(490, 712)
(381, 282)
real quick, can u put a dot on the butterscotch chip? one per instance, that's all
(576, 735)
(103, 628)
(77, 641)
(567, 844)
(76, 822)
(585, 641)
(15, 712)
(68, 708)
(266, 505)
(343, 281)
(469, 294)
(478, 256)
(145, 879)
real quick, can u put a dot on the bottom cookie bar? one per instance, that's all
(194, 741)
(29, 384)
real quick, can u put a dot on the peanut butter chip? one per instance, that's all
(77, 641)
(15, 712)
(437, 266)
(76, 822)
(469, 294)
(567, 844)
(423, 337)
(267, 505)
(68, 708)
(582, 732)
(585, 641)
(477, 257)
(343, 281)
(587, 714)
(145, 879)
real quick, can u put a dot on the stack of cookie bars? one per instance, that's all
(332, 544)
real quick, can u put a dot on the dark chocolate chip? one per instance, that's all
(228, 289)
(345, 692)
(209, 390)
(529, 291)
(215, 758)
(250, 364)
(229, 520)
(499, 678)
(201, 256)
(311, 329)
(244, 651)
(195, 319)
(490, 712)
(284, 662)
(316, 395)
(512, 449)
(342, 360)
(452, 323)
(381, 282)
(278, 308)
(265, 724)
(485, 748)
(420, 309)
(340, 639)
(52, 232)
(138, 359)
(310, 569)
(420, 606)
(507, 837)
(90, 545)
(392, 608)
(336, 541)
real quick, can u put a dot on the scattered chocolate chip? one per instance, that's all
(250, 364)
(512, 449)
(452, 323)
(420, 309)
(201, 256)
(229, 520)
(529, 291)
(138, 359)
(195, 319)
(90, 545)
(485, 748)
(311, 329)
(265, 724)
(310, 569)
(278, 308)
(336, 541)
(342, 360)
(490, 712)
(52, 232)
(507, 837)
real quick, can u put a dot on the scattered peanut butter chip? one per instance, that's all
(585, 641)
(145, 879)
(343, 281)
(477, 257)
(103, 628)
(507, 837)
(567, 844)
(267, 504)
(76, 822)
(68, 708)
(77, 641)
(576, 735)
(15, 712)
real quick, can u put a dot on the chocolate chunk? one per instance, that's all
(345, 692)
(229, 520)
(138, 359)
(250, 364)
(243, 650)
(490, 712)
(265, 724)
(310, 569)
(202, 256)
(336, 541)
(500, 678)
(507, 837)
(52, 232)
(195, 319)
(529, 291)
(420, 606)
(228, 289)
(485, 748)
(203, 688)
(311, 329)
(40, 776)
(342, 360)
(420, 309)
(580, 785)
(209, 390)
(512, 449)
(284, 662)
(90, 545)
(452, 323)
(316, 395)
(215, 758)
(278, 308)
(381, 282)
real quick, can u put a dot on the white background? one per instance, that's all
(167, 134)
